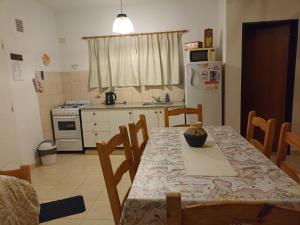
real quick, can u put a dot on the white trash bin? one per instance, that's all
(47, 152)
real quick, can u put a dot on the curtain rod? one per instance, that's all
(134, 34)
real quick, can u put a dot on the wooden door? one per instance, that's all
(268, 66)
(9, 154)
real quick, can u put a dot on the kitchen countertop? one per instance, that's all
(130, 105)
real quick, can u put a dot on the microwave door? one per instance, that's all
(199, 55)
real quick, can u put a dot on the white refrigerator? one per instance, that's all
(203, 85)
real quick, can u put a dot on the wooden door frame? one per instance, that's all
(291, 61)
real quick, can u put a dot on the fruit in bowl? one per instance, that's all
(195, 136)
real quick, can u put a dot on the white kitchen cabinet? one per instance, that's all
(161, 118)
(151, 115)
(102, 124)
(95, 126)
(119, 117)
(95, 115)
(92, 137)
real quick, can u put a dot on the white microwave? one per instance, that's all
(202, 54)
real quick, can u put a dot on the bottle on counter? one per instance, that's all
(167, 97)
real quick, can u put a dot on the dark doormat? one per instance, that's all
(61, 208)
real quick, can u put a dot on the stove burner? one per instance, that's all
(70, 106)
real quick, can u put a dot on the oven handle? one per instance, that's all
(64, 117)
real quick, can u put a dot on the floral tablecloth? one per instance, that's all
(162, 170)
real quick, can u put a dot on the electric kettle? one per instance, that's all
(110, 98)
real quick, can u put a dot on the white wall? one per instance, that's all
(39, 37)
(251, 11)
(222, 29)
(150, 16)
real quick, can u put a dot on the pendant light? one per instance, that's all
(122, 24)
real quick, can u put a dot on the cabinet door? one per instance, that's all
(102, 136)
(120, 117)
(95, 115)
(95, 126)
(161, 118)
(151, 117)
(89, 139)
(92, 137)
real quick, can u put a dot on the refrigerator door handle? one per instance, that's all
(192, 77)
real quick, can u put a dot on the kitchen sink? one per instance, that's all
(157, 103)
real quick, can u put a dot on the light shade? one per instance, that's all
(122, 24)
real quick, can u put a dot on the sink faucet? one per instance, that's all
(157, 99)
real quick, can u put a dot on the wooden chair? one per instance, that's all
(287, 138)
(22, 173)
(268, 127)
(178, 111)
(228, 213)
(138, 149)
(111, 178)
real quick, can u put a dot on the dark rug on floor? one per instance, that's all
(61, 208)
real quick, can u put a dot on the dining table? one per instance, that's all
(163, 169)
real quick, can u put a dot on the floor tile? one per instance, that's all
(72, 180)
(59, 192)
(64, 222)
(97, 222)
(99, 210)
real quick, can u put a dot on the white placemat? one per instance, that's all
(207, 160)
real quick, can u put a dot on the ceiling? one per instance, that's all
(61, 5)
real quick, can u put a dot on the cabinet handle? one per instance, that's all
(95, 124)
(94, 114)
(160, 112)
(96, 134)
(155, 112)
(129, 113)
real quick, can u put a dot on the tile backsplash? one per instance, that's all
(63, 86)
(51, 96)
(75, 86)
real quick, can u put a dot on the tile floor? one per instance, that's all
(78, 175)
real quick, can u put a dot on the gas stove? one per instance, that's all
(70, 108)
(67, 125)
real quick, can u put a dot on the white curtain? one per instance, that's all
(150, 67)
(142, 60)
(123, 61)
(99, 69)
(159, 59)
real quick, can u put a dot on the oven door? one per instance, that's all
(66, 127)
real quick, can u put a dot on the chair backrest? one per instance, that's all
(228, 213)
(22, 173)
(138, 149)
(288, 138)
(175, 112)
(268, 127)
(112, 178)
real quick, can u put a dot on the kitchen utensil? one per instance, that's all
(110, 98)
